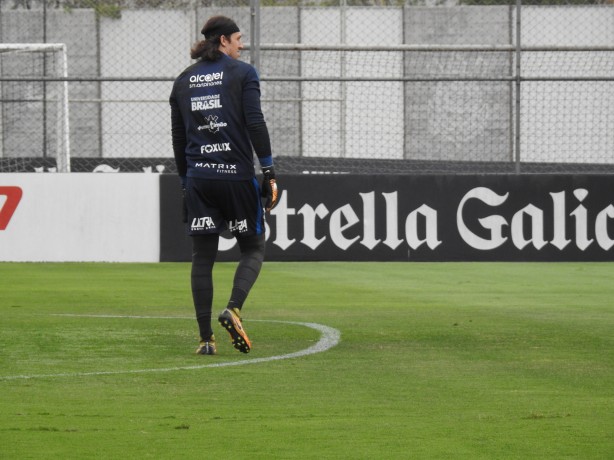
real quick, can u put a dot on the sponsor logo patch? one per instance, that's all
(202, 223)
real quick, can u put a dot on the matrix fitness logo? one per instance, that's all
(9, 199)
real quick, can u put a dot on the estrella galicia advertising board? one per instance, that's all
(423, 218)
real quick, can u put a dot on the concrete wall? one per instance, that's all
(574, 119)
(415, 120)
(459, 120)
(78, 30)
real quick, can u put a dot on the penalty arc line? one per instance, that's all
(329, 338)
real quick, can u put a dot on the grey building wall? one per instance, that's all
(79, 31)
(459, 120)
(414, 120)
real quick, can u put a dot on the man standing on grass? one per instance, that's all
(216, 120)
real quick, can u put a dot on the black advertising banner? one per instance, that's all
(426, 218)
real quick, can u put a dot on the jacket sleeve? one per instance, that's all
(179, 136)
(254, 118)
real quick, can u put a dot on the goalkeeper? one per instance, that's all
(216, 124)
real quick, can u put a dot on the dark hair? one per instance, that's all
(214, 28)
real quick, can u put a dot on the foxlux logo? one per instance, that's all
(7, 209)
(209, 79)
(202, 223)
(212, 148)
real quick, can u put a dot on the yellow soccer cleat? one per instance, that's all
(207, 347)
(231, 321)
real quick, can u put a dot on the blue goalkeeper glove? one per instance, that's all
(269, 188)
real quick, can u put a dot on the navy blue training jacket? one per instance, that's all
(216, 118)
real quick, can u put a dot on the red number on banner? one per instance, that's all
(13, 196)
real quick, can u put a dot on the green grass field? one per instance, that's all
(436, 360)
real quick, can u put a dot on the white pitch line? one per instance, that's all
(330, 337)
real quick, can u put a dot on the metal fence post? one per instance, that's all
(44, 83)
(254, 45)
(518, 56)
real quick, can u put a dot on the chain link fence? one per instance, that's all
(372, 86)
